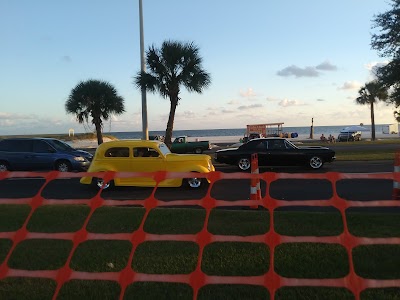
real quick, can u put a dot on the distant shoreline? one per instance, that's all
(303, 132)
(89, 140)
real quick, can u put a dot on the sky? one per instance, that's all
(269, 61)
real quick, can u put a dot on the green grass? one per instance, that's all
(366, 155)
(362, 142)
(300, 260)
(346, 151)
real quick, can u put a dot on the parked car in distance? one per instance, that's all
(275, 152)
(146, 156)
(181, 144)
(349, 136)
(31, 154)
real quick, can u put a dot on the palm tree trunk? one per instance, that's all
(372, 122)
(170, 124)
(99, 135)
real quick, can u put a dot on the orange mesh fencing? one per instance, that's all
(197, 279)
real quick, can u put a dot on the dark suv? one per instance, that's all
(348, 136)
(28, 154)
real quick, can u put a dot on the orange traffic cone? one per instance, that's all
(255, 189)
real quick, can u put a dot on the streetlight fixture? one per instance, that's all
(145, 132)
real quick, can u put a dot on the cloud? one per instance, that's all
(233, 102)
(244, 107)
(226, 111)
(287, 103)
(248, 93)
(350, 85)
(187, 114)
(326, 66)
(272, 99)
(374, 66)
(66, 58)
(298, 72)
(28, 123)
(321, 100)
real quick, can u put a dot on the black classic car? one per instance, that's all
(275, 152)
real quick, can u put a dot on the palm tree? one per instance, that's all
(174, 65)
(97, 100)
(370, 94)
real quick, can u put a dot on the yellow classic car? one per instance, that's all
(146, 156)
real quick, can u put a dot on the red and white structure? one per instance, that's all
(255, 189)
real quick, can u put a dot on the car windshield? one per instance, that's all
(289, 145)
(164, 149)
(60, 146)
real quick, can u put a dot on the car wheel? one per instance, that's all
(63, 166)
(4, 166)
(316, 162)
(198, 151)
(99, 182)
(244, 163)
(195, 183)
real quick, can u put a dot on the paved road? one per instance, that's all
(230, 190)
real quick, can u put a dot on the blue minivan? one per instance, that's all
(32, 154)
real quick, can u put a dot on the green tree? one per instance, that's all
(97, 100)
(174, 65)
(387, 42)
(370, 94)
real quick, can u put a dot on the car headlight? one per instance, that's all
(79, 158)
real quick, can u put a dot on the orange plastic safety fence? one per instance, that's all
(197, 279)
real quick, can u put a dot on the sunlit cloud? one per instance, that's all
(272, 99)
(374, 66)
(233, 102)
(247, 93)
(242, 107)
(350, 85)
(287, 103)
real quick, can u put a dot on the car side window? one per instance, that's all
(276, 145)
(259, 145)
(288, 145)
(140, 152)
(153, 153)
(117, 152)
(41, 147)
(20, 146)
(145, 152)
(5, 145)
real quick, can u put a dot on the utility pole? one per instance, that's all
(312, 129)
(145, 135)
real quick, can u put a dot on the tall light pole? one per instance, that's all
(145, 134)
(312, 129)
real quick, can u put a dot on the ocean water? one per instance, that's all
(303, 132)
